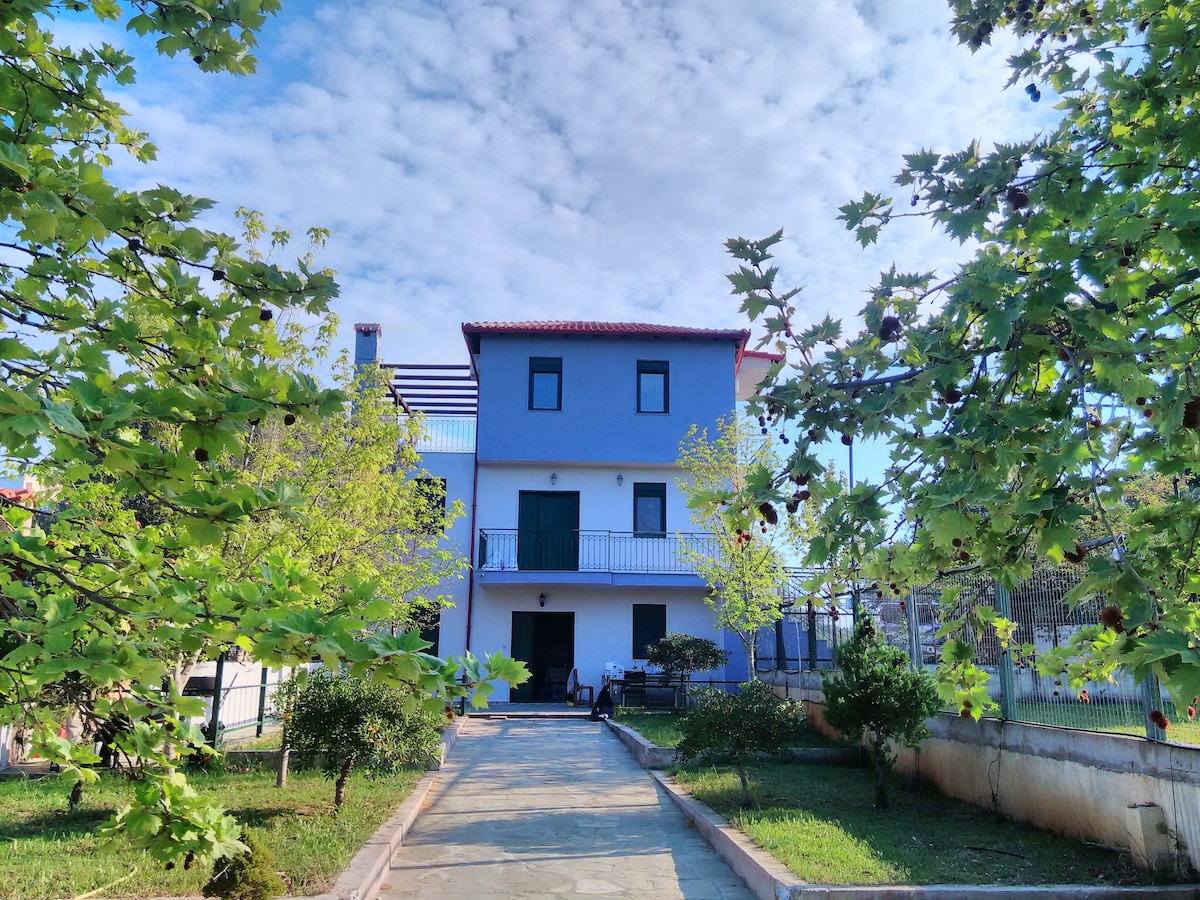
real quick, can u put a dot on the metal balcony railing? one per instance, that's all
(508, 549)
(446, 434)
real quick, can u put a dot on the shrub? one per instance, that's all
(740, 726)
(352, 722)
(875, 693)
(684, 654)
(250, 876)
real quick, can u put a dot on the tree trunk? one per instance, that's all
(747, 800)
(339, 789)
(879, 761)
(281, 767)
(751, 656)
(76, 797)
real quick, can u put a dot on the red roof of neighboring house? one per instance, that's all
(16, 495)
(602, 328)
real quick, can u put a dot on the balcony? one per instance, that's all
(447, 434)
(509, 555)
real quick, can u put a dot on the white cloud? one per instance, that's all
(545, 160)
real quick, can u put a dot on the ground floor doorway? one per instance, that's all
(545, 642)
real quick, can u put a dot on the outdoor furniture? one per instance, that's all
(633, 691)
(576, 690)
(556, 680)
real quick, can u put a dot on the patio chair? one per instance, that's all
(634, 693)
(576, 691)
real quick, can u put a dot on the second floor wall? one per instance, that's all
(585, 399)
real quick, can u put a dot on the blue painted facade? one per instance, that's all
(599, 419)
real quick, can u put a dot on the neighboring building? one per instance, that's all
(561, 438)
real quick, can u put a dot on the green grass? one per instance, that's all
(662, 728)
(47, 852)
(820, 822)
(1107, 717)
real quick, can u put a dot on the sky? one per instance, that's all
(558, 159)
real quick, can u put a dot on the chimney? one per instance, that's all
(366, 344)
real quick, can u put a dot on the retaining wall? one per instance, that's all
(1116, 790)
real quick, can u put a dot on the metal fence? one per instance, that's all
(805, 638)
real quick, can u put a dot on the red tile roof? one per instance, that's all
(16, 495)
(602, 328)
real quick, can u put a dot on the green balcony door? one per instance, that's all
(548, 530)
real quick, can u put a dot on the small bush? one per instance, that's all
(251, 876)
(875, 693)
(353, 722)
(740, 726)
(685, 654)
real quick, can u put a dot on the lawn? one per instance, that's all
(662, 728)
(47, 852)
(1107, 718)
(820, 822)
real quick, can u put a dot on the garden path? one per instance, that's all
(543, 808)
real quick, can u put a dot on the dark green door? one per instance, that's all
(548, 530)
(545, 642)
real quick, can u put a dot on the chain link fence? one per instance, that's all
(805, 638)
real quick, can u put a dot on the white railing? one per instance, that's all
(444, 434)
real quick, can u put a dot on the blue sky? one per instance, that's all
(545, 159)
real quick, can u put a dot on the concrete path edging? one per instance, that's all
(363, 877)
(648, 755)
(769, 879)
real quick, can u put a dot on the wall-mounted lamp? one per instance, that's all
(541, 599)
(554, 478)
(620, 479)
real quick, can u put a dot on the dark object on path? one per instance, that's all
(604, 705)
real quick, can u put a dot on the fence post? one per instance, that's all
(912, 617)
(1152, 700)
(262, 702)
(1008, 700)
(812, 637)
(214, 722)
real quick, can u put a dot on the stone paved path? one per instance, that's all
(550, 809)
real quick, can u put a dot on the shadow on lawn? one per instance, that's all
(926, 836)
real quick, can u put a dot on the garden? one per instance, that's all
(851, 823)
(47, 851)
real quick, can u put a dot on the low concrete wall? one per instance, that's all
(1097, 787)
(648, 755)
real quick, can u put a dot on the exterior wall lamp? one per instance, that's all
(620, 479)
(541, 599)
(554, 478)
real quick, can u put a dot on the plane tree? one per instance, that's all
(1020, 393)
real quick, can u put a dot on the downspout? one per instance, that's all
(474, 541)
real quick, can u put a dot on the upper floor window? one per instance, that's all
(653, 386)
(650, 509)
(545, 382)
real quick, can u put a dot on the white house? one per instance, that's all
(561, 439)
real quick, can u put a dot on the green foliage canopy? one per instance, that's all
(137, 351)
(875, 693)
(744, 563)
(740, 726)
(351, 721)
(1020, 393)
(684, 654)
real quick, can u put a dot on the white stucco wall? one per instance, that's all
(603, 620)
(604, 505)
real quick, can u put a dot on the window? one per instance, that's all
(649, 509)
(431, 497)
(545, 382)
(653, 386)
(649, 627)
